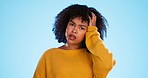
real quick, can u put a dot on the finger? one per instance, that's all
(90, 20)
(93, 16)
(93, 20)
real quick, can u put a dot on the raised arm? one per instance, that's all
(102, 58)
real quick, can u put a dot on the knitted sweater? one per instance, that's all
(78, 63)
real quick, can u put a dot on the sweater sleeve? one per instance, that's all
(102, 58)
(40, 71)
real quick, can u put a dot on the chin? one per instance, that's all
(73, 43)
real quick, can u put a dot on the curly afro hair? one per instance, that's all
(74, 11)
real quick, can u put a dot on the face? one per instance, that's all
(75, 31)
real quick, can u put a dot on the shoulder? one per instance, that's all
(49, 52)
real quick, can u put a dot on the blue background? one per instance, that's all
(26, 32)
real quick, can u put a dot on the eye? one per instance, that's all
(71, 24)
(81, 28)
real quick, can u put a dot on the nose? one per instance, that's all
(75, 30)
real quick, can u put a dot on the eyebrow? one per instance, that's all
(82, 26)
(72, 21)
(79, 25)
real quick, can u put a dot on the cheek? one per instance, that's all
(83, 35)
(67, 31)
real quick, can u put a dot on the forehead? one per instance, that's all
(78, 20)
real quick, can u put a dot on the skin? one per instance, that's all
(75, 32)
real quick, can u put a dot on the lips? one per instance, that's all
(72, 37)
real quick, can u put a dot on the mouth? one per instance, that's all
(72, 37)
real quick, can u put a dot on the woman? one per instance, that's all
(83, 55)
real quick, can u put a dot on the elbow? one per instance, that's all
(110, 64)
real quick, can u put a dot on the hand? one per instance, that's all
(92, 20)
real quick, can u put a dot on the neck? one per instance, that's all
(72, 47)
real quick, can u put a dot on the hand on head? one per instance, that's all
(92, 21)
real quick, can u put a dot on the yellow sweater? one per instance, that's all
(60, 63)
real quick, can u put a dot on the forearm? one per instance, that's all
(102, 58)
